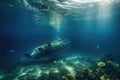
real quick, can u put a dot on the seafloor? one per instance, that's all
(70, 68)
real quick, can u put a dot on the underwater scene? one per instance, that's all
(59, 39)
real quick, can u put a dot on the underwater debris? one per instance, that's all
(49, 48)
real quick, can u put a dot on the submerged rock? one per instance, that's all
(68, 77)
(102, 77)
(101, 64)
(66, 69)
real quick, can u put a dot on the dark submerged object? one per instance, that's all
(49, 48)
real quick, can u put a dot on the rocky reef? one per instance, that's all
(71, 68)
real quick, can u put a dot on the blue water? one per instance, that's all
(19, 34)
